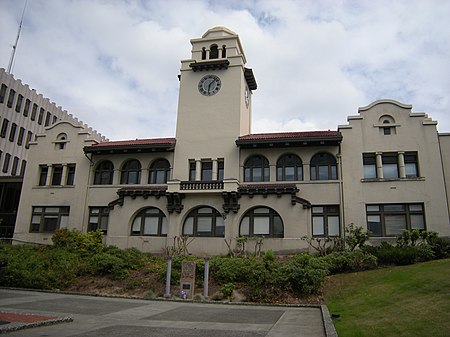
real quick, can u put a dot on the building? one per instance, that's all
(387, 170)
(23, 114)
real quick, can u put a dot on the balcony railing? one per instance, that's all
(201, 185)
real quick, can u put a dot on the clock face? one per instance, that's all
(209, 85)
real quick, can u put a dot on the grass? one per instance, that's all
(412, 301)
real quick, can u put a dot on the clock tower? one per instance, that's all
(214, 107)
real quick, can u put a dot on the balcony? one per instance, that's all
(201, 185)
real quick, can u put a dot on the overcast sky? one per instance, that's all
(114, 64)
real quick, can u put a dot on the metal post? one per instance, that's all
(168, 274)
(206, 280)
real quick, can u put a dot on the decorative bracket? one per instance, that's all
(230, 200)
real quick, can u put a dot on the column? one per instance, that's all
(48, 181)
(116, 177)
(273, 172)
(144, 176)
(401, 164)
(379, 162)
(214, 169)
(64, 175)
(198, 170)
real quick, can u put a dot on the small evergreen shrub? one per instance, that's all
(83, 243)
(349, 261)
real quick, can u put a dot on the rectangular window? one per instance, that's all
(390, 165)
(98, 219)
(41, 116)
(411, 167)
(370, 166)
(192, 170)
(15, 166)
(70, 174)
(12, 132)
(55, 119)
(34, 112)
(3, 93)
(220, 169)
(393, 219)
(21, 135)
(19, 103)
(6, 163)
(325, 220)
(4, 129)
(43, 171)
(207, 171)
(49, 219)
(12, 95)
(57, 175)
(26, 110)
(23, 167)
(29, 137)
(48, 118)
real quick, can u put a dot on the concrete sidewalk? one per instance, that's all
(106, 316)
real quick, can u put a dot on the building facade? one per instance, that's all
(215, 181)
(23, 114)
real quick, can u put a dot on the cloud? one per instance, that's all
(114, 64)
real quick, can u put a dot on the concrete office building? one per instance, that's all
(23, 114)
(387, 170)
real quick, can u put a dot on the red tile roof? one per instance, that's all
(290, 135)
(151, 141)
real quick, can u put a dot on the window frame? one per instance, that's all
(126, 171)
(195, 215)
(104, 176)
(142, 215)
(382, 213)
(45, 213)
(159, 166)
(101, 213)
(271, 215)
(328, 211)
(253, 163)
(330, 165)
(297, 166)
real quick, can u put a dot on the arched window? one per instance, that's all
(104, 173)
(262, 221)
(387, 124)
(256, 168)
(323, 167)
(61, 141)
(204, 221)
(131, 172)
(224, 51)
(289, 168)
(150, 221)
(214, 52)
(159, 172)
(203, 53)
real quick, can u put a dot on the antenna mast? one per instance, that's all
(11, 59)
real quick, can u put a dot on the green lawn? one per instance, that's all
(408, 301)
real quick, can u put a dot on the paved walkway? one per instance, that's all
(104, 316)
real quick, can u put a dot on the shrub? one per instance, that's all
(107, 264)
(393, 255)
(305, 273)
(440, 247)
(355, 237)
(82, 243)
(227, 289)
(348, 261)
(37, 267)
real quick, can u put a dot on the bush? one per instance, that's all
(349, 261)
(37, 267)
(82, 243)
(391, 255)
(355, 237)
(102, 264)
(305, 273)
(440, 247)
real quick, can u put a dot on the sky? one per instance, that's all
(114, 63)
